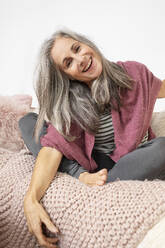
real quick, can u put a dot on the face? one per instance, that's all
(76, 59)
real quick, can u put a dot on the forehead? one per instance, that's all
(61, 49)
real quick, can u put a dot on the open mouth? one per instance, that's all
(87, 67)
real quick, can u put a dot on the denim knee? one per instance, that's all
(29, 120)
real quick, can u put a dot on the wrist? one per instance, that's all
(31, 197)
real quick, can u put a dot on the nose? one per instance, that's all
(80, 60)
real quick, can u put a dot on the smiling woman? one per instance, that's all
(98, 128)
(76, 59)
(67, 59)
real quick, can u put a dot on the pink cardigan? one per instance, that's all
(130, 124)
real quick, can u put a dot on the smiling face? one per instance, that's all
(77, 60)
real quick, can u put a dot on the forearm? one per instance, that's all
(45, 169)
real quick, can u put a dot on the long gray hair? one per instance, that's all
(64, 101)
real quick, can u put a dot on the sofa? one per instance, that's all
(121, 214)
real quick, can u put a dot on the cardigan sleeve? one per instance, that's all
(146, 85)
(55, 140)
(153, 82)
(72, 150)
(139, 71)
(52, 138)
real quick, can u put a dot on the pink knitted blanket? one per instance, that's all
(117, 215)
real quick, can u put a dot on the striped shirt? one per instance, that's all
(104, 139)
(144, 140)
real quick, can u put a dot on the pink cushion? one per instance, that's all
(12, 108)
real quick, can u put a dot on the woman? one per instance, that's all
(99, 116)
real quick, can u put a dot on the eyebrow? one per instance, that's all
(72, 49)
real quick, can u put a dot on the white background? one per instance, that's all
(122, 29)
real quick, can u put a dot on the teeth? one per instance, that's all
(88, 65)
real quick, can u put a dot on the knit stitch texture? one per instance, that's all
(116, 215)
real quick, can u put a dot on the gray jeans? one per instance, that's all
(146, 162)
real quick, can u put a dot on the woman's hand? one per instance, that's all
(45, 169)
(36, 215)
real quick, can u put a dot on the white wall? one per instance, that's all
(123, 30)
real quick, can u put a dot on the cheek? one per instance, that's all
(73, 74)
(74, 71)
(100, 68)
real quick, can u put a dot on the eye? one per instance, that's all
(77, 48)
(68, 63)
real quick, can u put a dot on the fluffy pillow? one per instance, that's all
(12, 108)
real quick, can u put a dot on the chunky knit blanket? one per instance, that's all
(116, 215)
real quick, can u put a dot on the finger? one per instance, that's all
(52, 240)
(43, 241)
(29, 227)
(51, 227)
(30, 230)
(47, 244)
